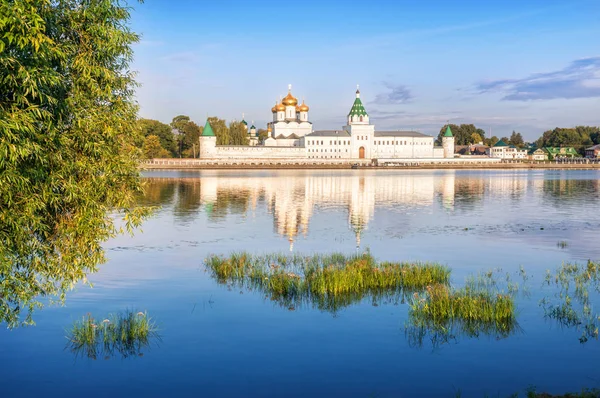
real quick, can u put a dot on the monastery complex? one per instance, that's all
(291, 136)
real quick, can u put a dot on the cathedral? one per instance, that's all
(291, 136)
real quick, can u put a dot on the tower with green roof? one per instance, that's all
(361, 131)
(208, 142)
(448, 143)
(358, 114)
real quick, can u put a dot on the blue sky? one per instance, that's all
(503, 65)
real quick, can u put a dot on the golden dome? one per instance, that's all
(280, 108)
(289, 100)
(303, 107)
(274, 109)
(269, 129)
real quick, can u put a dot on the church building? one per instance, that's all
(291, 136)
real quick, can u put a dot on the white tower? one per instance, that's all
(361, 132)
(208, 142)
(448, 143)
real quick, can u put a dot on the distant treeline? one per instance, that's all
(578, 137)
(180, 137)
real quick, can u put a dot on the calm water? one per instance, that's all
(223, 342)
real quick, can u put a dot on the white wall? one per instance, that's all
(258, 152)
(328, 147)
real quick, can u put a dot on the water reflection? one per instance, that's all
(485, 200)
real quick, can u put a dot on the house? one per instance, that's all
(593, 152)
(504, 151)
(560, 153)
(537, 154)
(474, 149)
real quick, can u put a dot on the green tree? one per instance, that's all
(67, 139)
(491, 141)
(238, 134)
(463, 134)
(162, 131)
(262, 134)
(595, 137)
(505, 140)
(516, 139)
(152, 148)
(221, 130)
(476, 138)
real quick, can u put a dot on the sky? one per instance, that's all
(502, 65)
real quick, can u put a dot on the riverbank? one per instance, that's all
(491, 164)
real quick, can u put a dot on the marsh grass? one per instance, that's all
(481, 307)
(572, 306)
(328, 282)
(126, 333)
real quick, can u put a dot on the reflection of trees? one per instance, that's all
(229, 202)
(570, 190)
(468, 191)
(158, 192)
(188, 199)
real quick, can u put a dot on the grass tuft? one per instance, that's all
(125, 333)
(329, 282)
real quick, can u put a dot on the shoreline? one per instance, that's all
(189, 164)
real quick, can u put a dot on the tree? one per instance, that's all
(262, 134)
(162, 131)
(516, 139)
(476, 138)
(505, 140)
(238, 134)
(152, 148)
(67, 139)
(595, 137)
(463, 134)
(220, 129)
(491, 141)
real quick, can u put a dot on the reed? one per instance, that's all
(328, 282)
(126, 333)
(572, 306)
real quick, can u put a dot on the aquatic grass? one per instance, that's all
(126, 333)
(329, 282)
(442, 313)
(571, 306)
(441, 302)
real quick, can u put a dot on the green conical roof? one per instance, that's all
(448, 132)
(358, 108)
(208, 131)
(252, 127)
(500, 143)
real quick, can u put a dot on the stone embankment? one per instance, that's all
(207, 164)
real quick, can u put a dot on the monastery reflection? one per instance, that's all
(293, 197)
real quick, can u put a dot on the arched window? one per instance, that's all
(361, 118)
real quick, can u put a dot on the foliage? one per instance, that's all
(126, 333)
(262, 134)
(491, 141)
(572, 306)
(476, 138)
(327, 282)
(187, 139)
(152, 148)
(578, 137)
(516, 139)
(220, 129)
(463, 134)
(238, 135)
(67, 144)
(162, 131)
